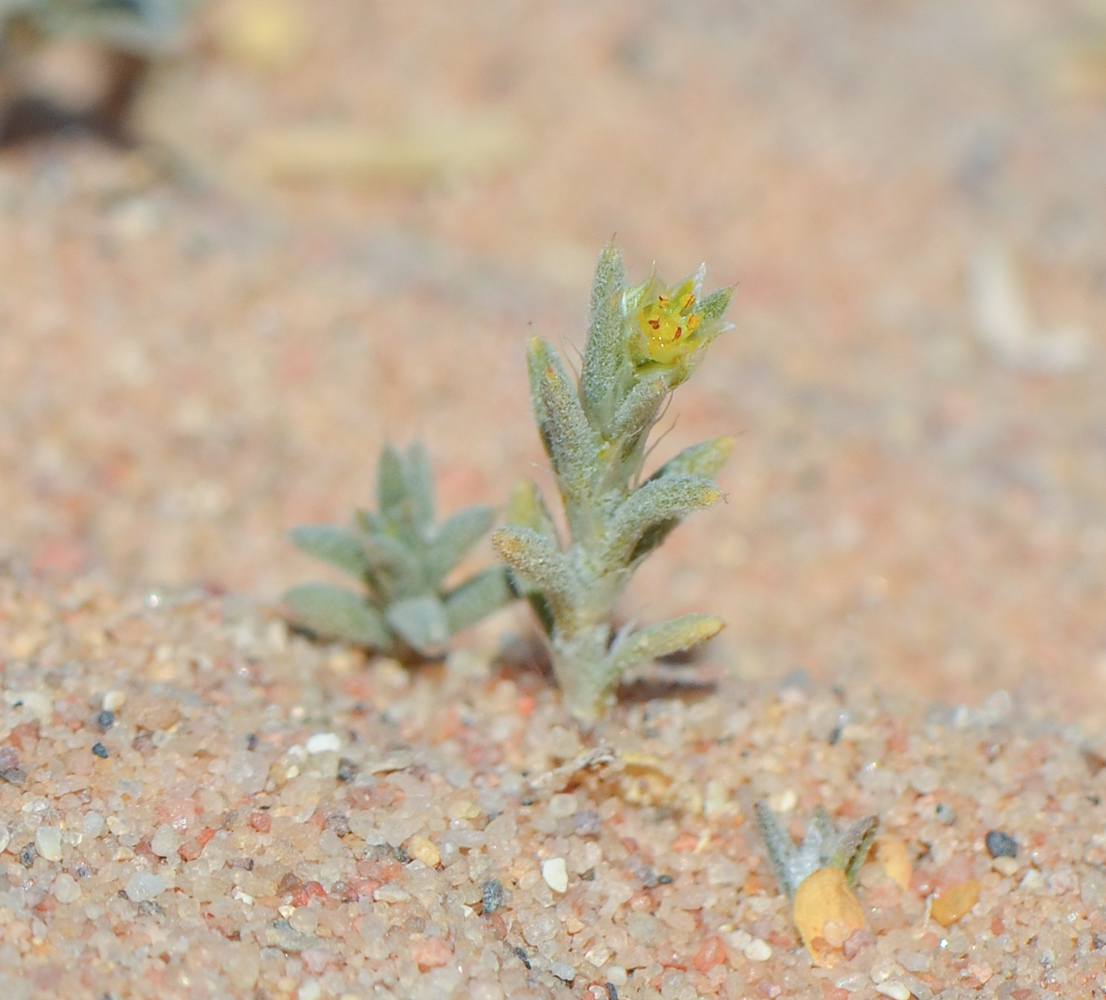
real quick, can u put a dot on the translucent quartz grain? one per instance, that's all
(165, 841)
(66, 889)
(48, 842)
(143, 886)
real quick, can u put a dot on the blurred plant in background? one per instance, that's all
(80, 62)
(402, 558)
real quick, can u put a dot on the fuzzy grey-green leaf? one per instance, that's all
(455, 537)
(655, 502)
(703, 459)
(526, 509)
(334, 613)
(477, 598)
(421, 622)
(572, 445)
(420, 487)
(332, 545)
(393, 565)
(663, 639)
(540, 564)
(391, 487)
(604, 350)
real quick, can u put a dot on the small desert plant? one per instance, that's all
(403, 559)
(643, 341)
(819, 876)
(821, 847)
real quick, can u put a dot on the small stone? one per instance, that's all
(555, 874)
(894, 857)
(5, 838)
(311, 989)
(491, 895)
(895, 990)
(954, 902)
(100, 750)
(165, 841)
(1001, 845)
(113, 701)
(588, 823)
(712, 953)
(783, 802)
(105, 720)
(248, 770)
(143, 886)
(93, 824)
(432, 953)
(324, 742)
(424, 849)
(48, 842)
(1006, 866)
(563, 971)
(757, 950)
(66, 889)
(826, 912)
(391, 894)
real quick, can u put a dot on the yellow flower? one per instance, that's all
(668, 326)
(668, 322)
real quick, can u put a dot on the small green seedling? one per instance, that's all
(403, 559)
(821, 847)
(643, 341)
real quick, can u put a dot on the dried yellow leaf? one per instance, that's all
(826, 912)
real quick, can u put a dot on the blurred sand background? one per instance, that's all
(356, 212)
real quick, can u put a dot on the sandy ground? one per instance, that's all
(342, 235)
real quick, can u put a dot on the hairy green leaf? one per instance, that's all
(476, 598)
(334, 613)
(391, 488)
(540, 565)
(420, 487)
(332, 545)
(421, 622)
(704, 459)
(605, 348)
(572, 445)
(662, 639)
(655, 502)
(454, 538)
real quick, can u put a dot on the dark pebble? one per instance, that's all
(612, 991)
(1001, 845)
(105, 720)
(347, 769)
(492, 895)
(27, 855)
(100, 750)
(664, 880)
(520, 953)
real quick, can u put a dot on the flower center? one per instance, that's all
(668, 322)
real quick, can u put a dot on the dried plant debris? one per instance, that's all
(819, 876)
(66, 62)
(403, 559)
(643, 342)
